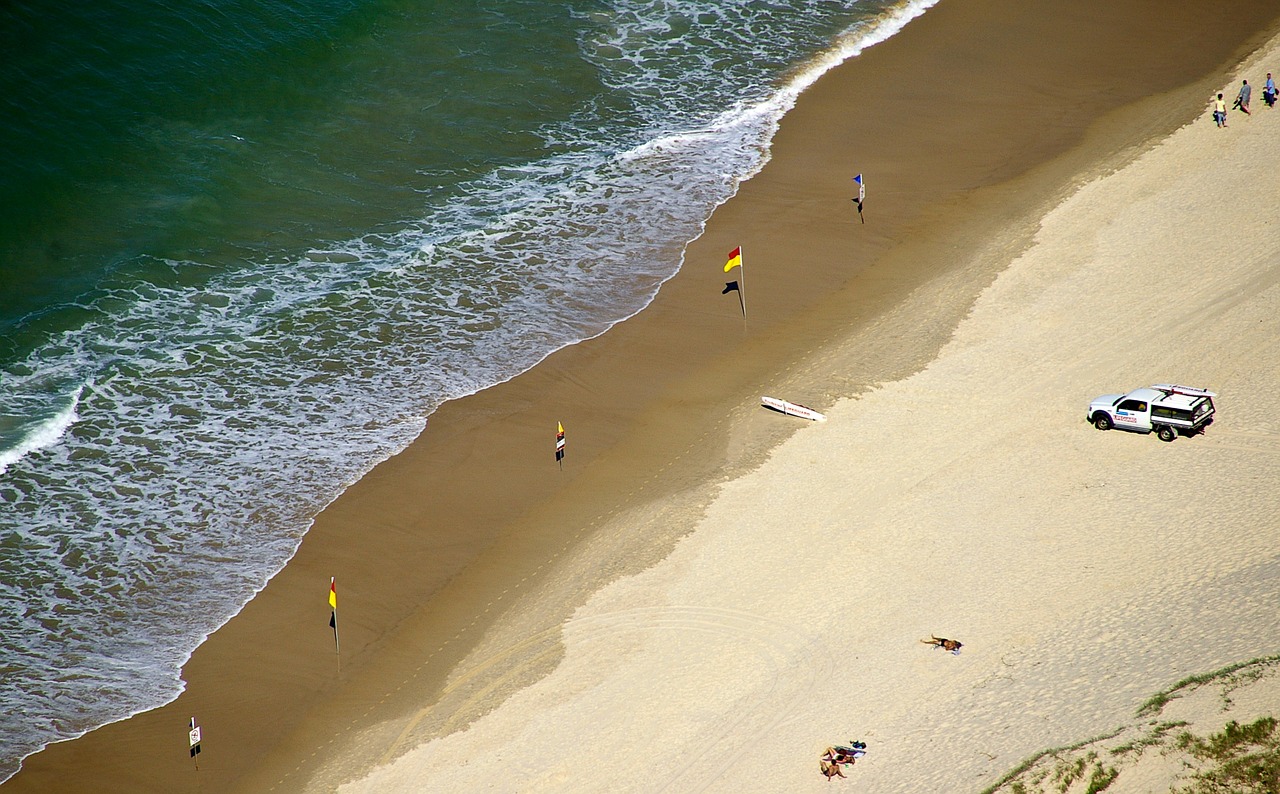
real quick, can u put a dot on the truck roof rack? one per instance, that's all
(1173, 388)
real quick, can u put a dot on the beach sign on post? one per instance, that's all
(560, 444)
(193, 737)
(333, 618)
(735, 260)
(862, 195)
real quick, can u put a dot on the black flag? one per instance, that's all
(732, 286)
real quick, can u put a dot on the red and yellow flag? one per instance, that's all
(735, 259)
(333, 592)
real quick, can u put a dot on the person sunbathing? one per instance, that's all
(840, 756)
(942, 642)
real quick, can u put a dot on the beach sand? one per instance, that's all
(1083, 570)
(709, 593)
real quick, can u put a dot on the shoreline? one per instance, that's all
(624, 441)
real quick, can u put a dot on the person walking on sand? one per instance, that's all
(1220, 112)
(1242, 98)
(1269, 91)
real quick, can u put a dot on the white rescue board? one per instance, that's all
(792, 409)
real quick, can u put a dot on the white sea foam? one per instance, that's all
(748, 126)
(44, 434)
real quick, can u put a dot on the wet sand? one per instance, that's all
(460, 560)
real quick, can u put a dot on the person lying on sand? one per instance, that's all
(942, 642)
(837, 756)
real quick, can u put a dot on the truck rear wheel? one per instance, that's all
(1102, 421)
(1167, 432)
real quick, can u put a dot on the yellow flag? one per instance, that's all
(333, 593)
(735, 259)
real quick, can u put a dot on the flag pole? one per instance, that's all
(741, 292)
(193, 737)
(333, 619)
(738, 285)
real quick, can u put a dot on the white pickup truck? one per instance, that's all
(1167, 409)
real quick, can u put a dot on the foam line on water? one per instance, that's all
(45, 434)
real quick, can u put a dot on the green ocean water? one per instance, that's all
(246, 248)
(214, 134)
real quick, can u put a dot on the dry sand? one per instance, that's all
(562, 622)
(1083, 570)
